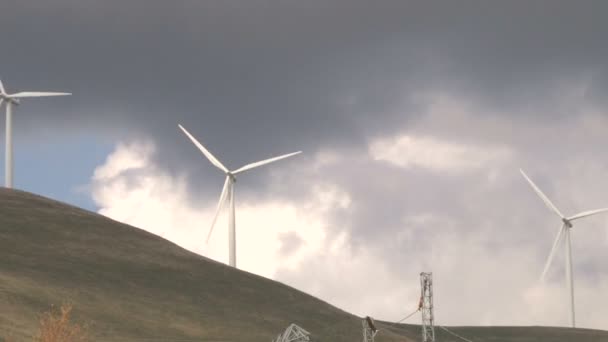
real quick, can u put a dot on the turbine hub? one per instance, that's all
(567, 222)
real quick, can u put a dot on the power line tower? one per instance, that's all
(426, 299)
(369, 329)
(293, 333)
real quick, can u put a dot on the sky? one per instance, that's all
(413, 118)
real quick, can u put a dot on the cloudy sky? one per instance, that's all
(414, 118)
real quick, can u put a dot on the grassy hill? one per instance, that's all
(129, 285)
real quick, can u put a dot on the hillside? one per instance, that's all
(129, 285)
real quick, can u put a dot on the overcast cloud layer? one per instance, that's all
(414, 118)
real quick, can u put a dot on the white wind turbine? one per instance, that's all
(564, 231)
(228, 191)
(13, 99)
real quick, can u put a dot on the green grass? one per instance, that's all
(129, 285)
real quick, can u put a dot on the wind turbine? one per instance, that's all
(14, 99)
(564, 231)
(228, 191)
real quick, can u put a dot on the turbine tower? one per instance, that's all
(563, 233)
(228, 191)
(14, 99)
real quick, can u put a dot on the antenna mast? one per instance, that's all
(426, 299)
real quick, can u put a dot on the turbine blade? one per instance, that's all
(2, 91)
(1, 100)
(587, 213)
(36, 94)
(558, 238)
(220, 203)
(541, 195)
(264, 162)
(207, 154)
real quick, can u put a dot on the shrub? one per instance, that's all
(56, 327)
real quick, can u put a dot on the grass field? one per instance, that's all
(129, 285)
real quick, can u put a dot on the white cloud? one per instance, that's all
(485, 271)
(125, 157)
(432, 153)
(326, 267)
(158, 203)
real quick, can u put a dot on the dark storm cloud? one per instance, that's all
(256, 78)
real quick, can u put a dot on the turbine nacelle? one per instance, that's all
(567, 222)
(9, 99)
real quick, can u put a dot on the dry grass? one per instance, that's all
(55, 326)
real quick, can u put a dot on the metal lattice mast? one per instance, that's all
(369, 329)
(293, 333)
(426, 298)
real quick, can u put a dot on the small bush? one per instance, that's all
(56, 327)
